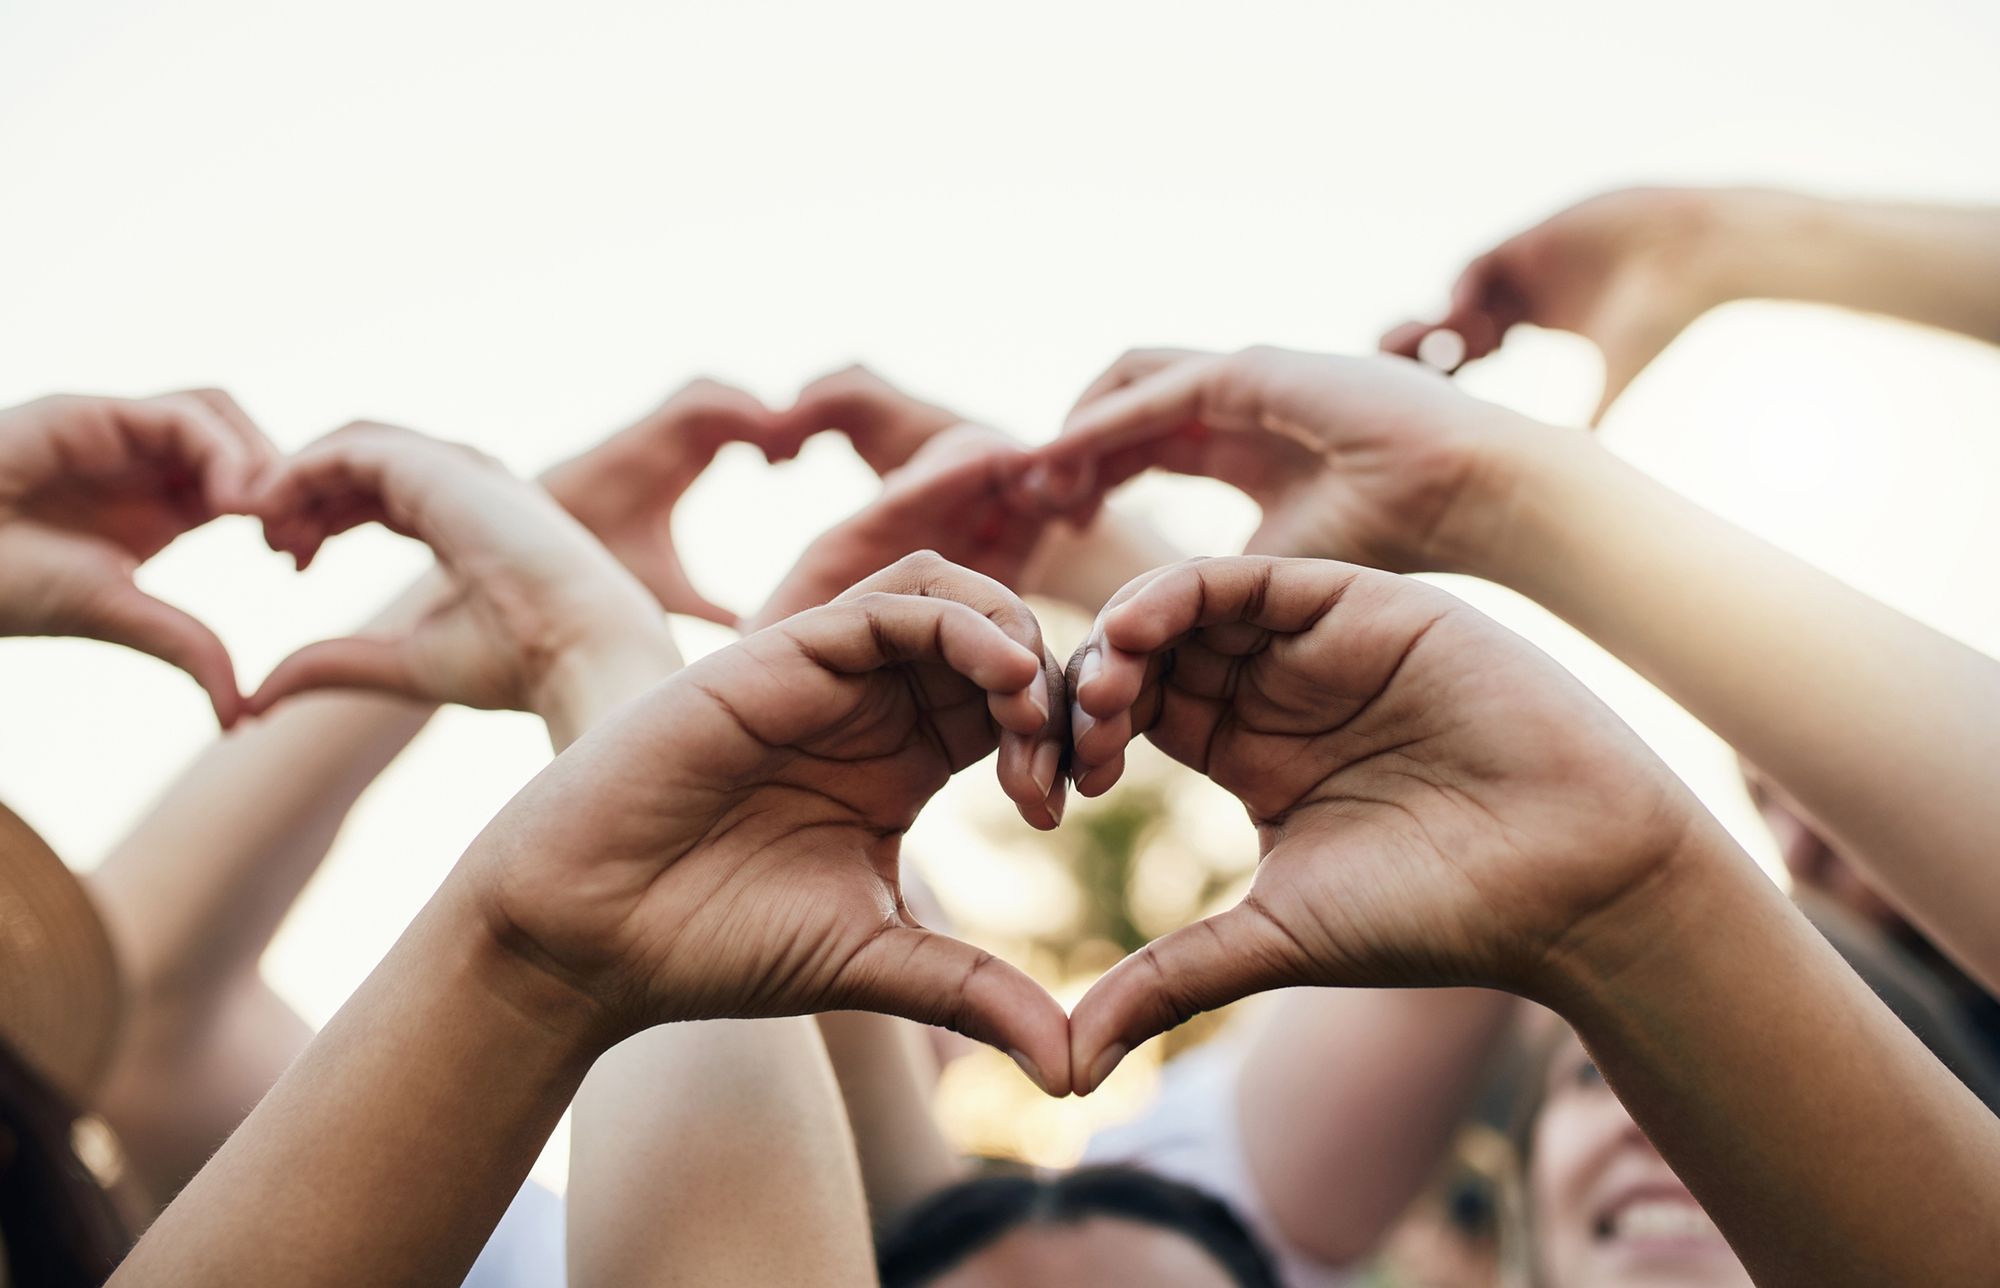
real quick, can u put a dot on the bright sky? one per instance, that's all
(521, 225)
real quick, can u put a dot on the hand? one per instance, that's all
(1437, 803)
(953, 497)
(729, 845)
(1373, 460)
(886, 425)
(624, 490)
(90, 488)
(533, 596)
(1628, 270)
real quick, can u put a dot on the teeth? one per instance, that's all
(1663, 1219)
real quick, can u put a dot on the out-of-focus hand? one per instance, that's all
(953, 497)
(1437, 803)
(886, 425)
(624, 489)
(1628, 270)
(1370, 459)
(90, 488)
(729, 844)
(533, 596)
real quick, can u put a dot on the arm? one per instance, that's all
(1350, 1097)
(1439, 804)
(194, 895)
(680, 862)
(888, 1077)
(1632, 269)
(744, 1172)
(1779, 1088)
(1881, 728)
(1876, 725)
(197, 890)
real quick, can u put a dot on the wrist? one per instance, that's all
(602, 670)
(1643, 944)
(1764, 244)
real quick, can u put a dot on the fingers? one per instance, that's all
(130, 617)
(1035, 722)
(886, 425)
(1197, 968)
(221, 449)
(1134, 366)
(1166, 401)
(935, 979)
(877, 630)
(1282, 595)
(355, 663)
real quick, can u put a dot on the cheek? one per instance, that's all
(1570, 1144)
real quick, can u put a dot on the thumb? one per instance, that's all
(357, 662)
(1197, 968)
(131, 617)
(675, 590)
(935, 979)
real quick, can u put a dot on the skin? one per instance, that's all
(723, 846)
(196, 891)
(1630, 270)
(1591, 1159)
(90, 488)
(1389, 465)
(1440, 804)
(1339, 1134)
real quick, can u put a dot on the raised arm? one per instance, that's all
(1439, 804)
(1878, 726)
(723, 846)
(1631, 269)
(195, 893)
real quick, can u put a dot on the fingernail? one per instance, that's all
(1028, 1067)
(1092, 665)
(1036, 479)
(1081, 722)
(1048, 757)
(1038, 697)
(1106, 1062)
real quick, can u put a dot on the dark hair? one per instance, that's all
(60, 1226)
(956, 1222)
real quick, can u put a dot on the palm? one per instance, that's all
(730, 846)
(1437, 803)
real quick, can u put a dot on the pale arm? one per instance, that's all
(888, 1076)
(1881, 728)
(1938, 265)
(1349, 1099)
(194, 895)
(715, 1152)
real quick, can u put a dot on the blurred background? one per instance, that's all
(522, 225)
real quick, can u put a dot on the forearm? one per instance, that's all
(1780, 1090)
(1938, 265)
(194, 894)
(387, 1153)
(1882, 729)
(745, 1174)
(1349, 1099)
(888, 1076)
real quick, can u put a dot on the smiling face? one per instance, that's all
(1605, 1210)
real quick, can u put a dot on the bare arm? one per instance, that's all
(696, 1184)
(1881, 728)
(1348, 1100)
(194, 895)
(888, 1076)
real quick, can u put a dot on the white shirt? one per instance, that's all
(1191, 1133)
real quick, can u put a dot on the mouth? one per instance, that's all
(1657, 1221)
